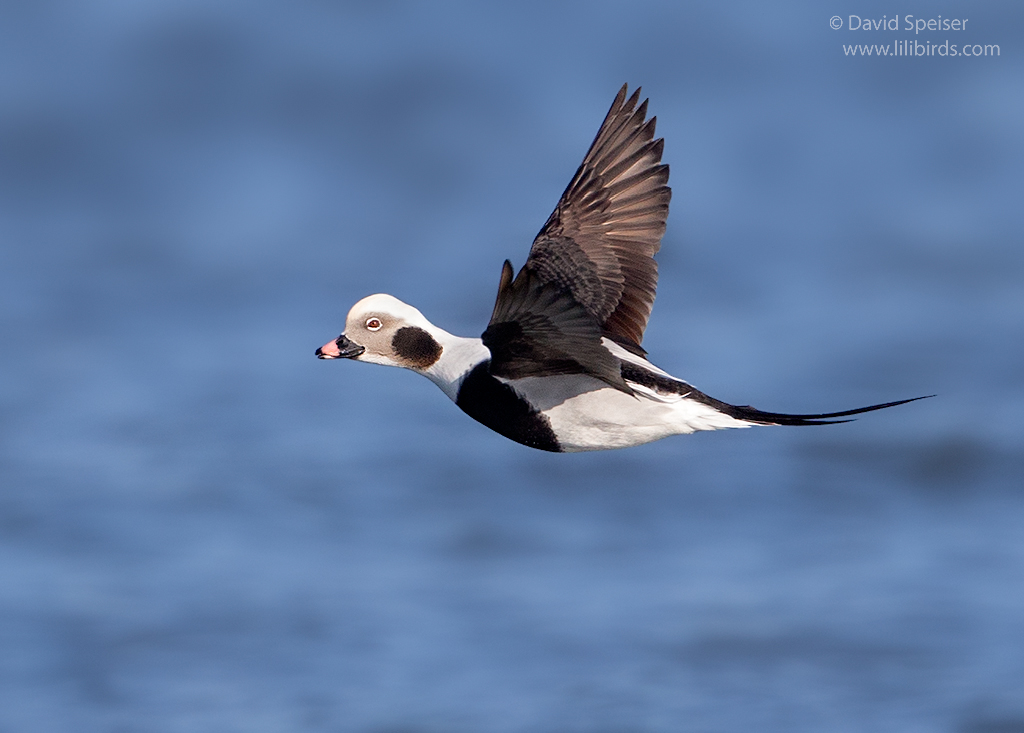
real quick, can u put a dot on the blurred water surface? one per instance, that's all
(202, 528)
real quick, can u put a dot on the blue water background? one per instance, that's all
(203, 528)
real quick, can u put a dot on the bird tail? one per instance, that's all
(760, 417)
(661, 382)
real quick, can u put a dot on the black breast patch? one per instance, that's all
(493, 403)
(416, 347)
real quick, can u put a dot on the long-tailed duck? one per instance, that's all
(560, 367)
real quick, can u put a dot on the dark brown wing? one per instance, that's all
(591, 271)
(600, 241)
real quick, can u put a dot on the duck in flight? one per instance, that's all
(560, 366)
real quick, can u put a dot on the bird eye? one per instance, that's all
(373, 324)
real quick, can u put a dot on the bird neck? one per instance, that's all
(458, 357)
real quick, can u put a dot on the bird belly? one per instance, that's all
(586, 414)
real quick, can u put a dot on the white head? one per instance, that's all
(383, 330)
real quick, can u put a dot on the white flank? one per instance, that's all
(586, 414)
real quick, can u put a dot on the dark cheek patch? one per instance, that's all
(416, 346)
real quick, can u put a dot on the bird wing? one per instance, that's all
(538, 329)
(593, 261)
